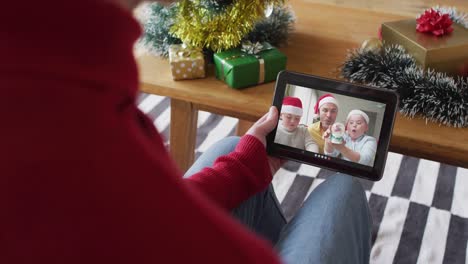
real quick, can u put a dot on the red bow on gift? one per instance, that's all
(434, 22)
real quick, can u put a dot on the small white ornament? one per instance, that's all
(268, 10)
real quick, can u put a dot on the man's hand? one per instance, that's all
(260, 130)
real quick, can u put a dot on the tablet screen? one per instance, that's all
(336, 125)
(330, 126)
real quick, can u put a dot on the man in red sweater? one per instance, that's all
(85, 177)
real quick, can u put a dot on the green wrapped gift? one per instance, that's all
(249, 65)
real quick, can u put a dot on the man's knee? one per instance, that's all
(350, 190)
(348, 184)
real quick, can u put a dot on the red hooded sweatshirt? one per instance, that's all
(84, 175)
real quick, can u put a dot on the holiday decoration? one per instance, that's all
(415, 64)
(292, 105)
(337, 133)
(455, 16)
(215, 6)
(157, 38)
(373, 45)
(198, 27)
(434, 22)
(186, 63)
(442, 53)
(273, 28)
(324, 99)
(252, 64)
(433, 95)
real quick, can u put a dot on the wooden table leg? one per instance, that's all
(242, 127)
(183, 132)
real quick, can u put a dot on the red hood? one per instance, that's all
(64, 66)
(63, 37)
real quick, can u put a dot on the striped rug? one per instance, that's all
(419, 208)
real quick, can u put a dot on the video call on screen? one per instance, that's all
(330, 125)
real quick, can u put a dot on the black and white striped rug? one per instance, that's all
(419, 208)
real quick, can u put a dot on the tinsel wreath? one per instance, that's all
(198, 27)
(434, 95)
(274, 29)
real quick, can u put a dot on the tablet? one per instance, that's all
(331, 124)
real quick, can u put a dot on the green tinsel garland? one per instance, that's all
(434, 95)
(274, 29)
(199, 27)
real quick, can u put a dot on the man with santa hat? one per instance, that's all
(327, 110)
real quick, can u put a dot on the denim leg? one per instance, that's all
(261, 212)
(220, 148)
(333, 226)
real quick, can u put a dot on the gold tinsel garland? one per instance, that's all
(198, 27)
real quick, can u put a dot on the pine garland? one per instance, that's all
(434, 95)
(157, 24)
(274, 29)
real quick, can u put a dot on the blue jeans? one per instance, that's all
(333, 225)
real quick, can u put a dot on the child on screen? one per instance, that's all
(356, 146)
(289, 131)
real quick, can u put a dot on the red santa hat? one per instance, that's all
(358, 112)
(292, 105)
(324, 99)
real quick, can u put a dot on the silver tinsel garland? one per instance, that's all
(457, 17)
(433, 95)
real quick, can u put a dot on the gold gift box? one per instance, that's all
(445, 53)
(186, 63)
